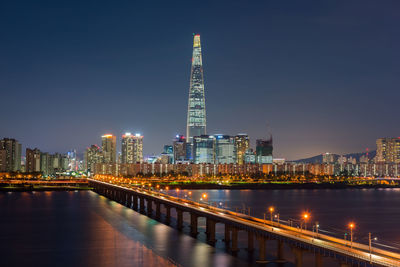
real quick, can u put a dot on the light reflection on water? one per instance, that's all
(86, 229)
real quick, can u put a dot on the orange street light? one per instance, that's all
(351, 226)
(204, 195)
(305, 217)
(271, 211)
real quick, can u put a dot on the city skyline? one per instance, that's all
(314, 87)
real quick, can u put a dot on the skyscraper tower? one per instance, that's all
(196, 116)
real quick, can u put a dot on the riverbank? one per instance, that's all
(42, 188)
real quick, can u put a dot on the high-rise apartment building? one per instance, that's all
(388, 150)
(196, 116)
(132, 148)
(264, 151)
(93, 155)
(179, 147)
(225, 149)
(242, 144)
(109, 146)
(204, 149)
(12, 150)
(32, 162)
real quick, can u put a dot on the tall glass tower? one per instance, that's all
(196, 116)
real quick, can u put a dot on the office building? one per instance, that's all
(225, 149)
(204, 149)
(242, 144)
(196, 116)
(264, 151)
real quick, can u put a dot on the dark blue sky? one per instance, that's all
(323, 75)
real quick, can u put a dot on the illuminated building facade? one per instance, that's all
(32, 162)
(127, 148)
(225, 149)
(93, 155)
(242, 144)
(196, 116)
(138, 148)
(388, 150)
(109, 146)
(204, 149)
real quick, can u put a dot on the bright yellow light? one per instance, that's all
(306, 216)
(351, 225)
(271, 209)
(204, 195)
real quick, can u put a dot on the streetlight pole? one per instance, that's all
(351, 225)
(370, 248)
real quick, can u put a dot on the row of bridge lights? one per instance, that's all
(304, 217)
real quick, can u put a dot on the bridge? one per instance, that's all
(299, 240)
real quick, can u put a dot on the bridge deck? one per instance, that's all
(268, 228)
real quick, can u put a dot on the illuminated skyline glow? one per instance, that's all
(318, 76)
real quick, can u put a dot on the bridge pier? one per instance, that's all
(135, 202)
(318, 260)
(234, 239)
(298, 256)
(179, 219)
(158, 210)
(149, 207)
(261, 244)
(210, 230)
(142, 209)
(168, 214)
(250, 241)
(344, 264)
(227, 234)
(279, 251)
(193, 224)
(129, 200)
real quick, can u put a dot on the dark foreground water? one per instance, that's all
(85, 229)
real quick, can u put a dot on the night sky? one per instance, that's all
(321, 76)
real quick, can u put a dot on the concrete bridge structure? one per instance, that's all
(299, 240)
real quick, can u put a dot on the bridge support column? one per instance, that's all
(261, 244)
(298, 257)
(179, 219)
(227, 234)
(193, 224)
(142, 209)
(234, 239)
(279, 252)
(210, 230)
(168, 215)
(129, 200)
(149, 207)
(158, 210)
(250, 241)
(318, 260)
(135, 202)
(344, 264)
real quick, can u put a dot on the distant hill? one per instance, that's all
(318, 158)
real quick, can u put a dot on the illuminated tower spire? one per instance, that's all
(196, 116)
